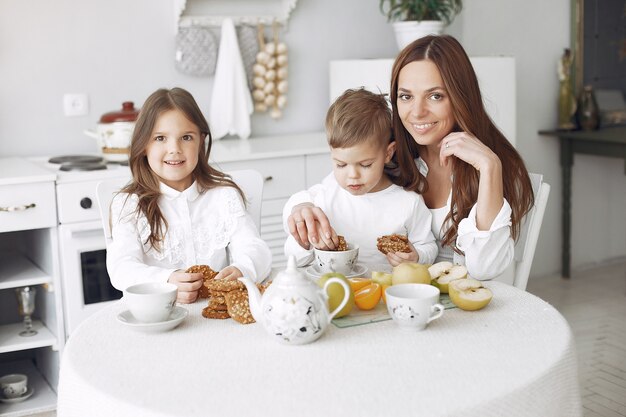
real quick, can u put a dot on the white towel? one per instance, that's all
(231, 103)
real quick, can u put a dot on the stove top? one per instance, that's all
(79, 168)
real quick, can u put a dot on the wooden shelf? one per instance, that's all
(11, 341)
(17, 271)
(43, 399)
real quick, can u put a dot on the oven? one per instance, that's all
(82, 251)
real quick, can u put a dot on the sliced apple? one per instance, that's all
(382, 278)
(469, 294)
(442, 273)
(410, 272)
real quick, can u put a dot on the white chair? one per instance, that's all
(249, 180)
(529, 234)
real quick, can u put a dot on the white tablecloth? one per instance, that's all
(514, 358)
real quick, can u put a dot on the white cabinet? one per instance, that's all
(288, 164)
(28, 257)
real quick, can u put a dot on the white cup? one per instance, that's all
(14, 385)
(413, 306)
(151, 302)
(336, 261)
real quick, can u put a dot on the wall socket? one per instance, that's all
(75, 104)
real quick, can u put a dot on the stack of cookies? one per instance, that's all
(227, 299)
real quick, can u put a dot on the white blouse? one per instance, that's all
(211, 228)
(362, 219)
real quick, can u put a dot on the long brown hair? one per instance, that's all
(470, 115)
(145, 183)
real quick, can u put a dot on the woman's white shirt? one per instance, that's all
(364, 218)
(201, 226)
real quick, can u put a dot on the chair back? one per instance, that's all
(249, 180)
(529, 233)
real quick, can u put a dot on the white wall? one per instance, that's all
(119, 50)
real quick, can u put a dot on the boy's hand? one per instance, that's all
(188, 284)
(308, 223)
(396, 258)
(230, 273)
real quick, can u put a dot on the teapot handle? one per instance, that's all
(346, 295)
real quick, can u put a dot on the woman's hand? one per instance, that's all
(467, 148)
(490, 189)
(308, 223)
(396, 258)
(188, 284)
(230, 273)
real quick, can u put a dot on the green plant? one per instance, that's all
(403, 10)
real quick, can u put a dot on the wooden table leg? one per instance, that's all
(567, 160)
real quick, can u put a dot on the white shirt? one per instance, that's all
(200, 229)
(487, 252)
(364, 218)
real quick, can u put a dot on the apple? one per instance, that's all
(469, 294)
(382, 278)
(410, 272)
(442, 273)
(336, 294)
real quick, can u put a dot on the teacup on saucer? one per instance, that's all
(359, 270)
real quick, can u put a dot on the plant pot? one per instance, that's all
(407, 32)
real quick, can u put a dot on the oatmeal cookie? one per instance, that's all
(207, 275)
(393, 243)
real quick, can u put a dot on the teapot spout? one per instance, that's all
(254, 298)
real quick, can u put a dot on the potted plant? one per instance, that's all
(413, 19)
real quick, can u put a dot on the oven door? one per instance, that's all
(86, 284)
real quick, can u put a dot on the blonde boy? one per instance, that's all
(358, 197)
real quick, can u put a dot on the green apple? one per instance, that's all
(469, 294)
(336, 293)
(382, 278)
(442, 273)
(410, 272)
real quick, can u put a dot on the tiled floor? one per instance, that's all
(594, 303)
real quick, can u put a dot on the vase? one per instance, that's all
(567, 106)
(588, 114)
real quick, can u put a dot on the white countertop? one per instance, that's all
(15, 170)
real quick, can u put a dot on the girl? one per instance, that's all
(178, 211)
(449, 150)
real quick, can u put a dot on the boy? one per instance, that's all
(359, 199)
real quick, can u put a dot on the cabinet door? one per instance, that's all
(27, 206)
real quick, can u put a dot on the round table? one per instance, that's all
(516, 357)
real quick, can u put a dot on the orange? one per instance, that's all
(383, 292)
(358, 283)
(367, 297)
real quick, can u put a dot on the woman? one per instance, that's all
(449, 150)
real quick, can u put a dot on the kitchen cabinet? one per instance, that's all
(288, 164)
(29, 257)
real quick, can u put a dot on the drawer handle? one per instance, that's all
(18, 208)
(268, 178)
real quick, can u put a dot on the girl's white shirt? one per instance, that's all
(487, 252)
(201, 226)
(364, 218)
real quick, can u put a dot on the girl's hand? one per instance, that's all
(230, 273)
(188, 284)
(467, 148)
(396, 258)
(308, 223)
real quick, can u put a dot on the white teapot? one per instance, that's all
(293, 309)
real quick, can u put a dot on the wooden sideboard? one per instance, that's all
(609, 142)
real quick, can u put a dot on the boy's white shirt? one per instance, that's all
(200, 227)
(362, 219)
(487, 252)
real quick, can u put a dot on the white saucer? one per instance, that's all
(358, 271)
(25, 396)
(177, 316)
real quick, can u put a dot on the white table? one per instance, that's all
(514, 358)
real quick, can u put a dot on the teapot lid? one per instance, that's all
(128, 113)
(291, 275)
